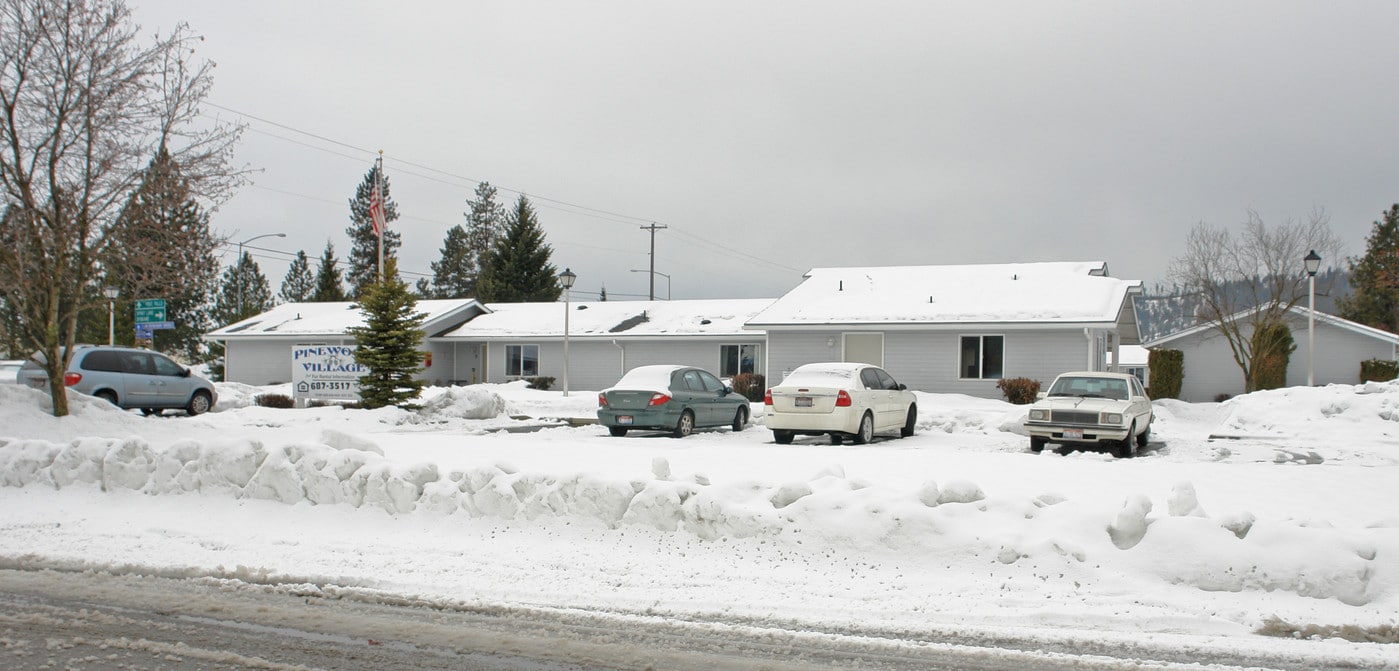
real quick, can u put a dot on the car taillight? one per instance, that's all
(842, 399)
(767, 397)
(658, 399)
(602, 400)
(70, 379)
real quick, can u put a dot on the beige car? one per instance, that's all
(853, 400)
(1092, 409)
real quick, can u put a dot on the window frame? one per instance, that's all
(738, 359)
(521, 348)
(981, 357)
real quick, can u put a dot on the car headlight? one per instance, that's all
(1110, 418)
(1039, 415)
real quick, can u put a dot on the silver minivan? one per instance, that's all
(129, 378)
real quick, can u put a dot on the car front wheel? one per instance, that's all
(199, 403)
(910, 423)
(1126, 448)
(1037, 444)
(1143, 437)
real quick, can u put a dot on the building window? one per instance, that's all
(983, 357)
(735, 359)
(521, 360)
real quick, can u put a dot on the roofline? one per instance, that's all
(928, 326)
(1339, 322)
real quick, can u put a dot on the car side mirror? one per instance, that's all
(184, 372)
(902, 387)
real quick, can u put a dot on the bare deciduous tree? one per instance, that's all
(1251, 280)
(84, 106)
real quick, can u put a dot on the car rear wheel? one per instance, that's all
(910, 423)
(618, 431)
(782, 437)
(107, 396)
(740, 419)
(686, 425)
(866, 432)
(199, 403)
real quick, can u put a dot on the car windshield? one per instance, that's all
(1090, 387)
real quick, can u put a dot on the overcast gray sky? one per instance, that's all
(773, 137)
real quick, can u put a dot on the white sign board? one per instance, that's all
(325, 373)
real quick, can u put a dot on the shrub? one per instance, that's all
(1378, 370)
(274, 401)
(1167, 371)
(1221, 397)
(1019, 390)
(541, 382)
(1272, 349)
(752, 385)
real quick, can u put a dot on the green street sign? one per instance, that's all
(150, 310)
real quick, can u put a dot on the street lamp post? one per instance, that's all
(1312, 261)
(566, 278)
(238, 265)
(654, 272)
(111, 293)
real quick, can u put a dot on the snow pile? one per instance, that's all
(1185, 547)
(473, 402)
(1316, 413)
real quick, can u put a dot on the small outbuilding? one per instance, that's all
(1210, 372)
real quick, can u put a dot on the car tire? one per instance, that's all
(740, 419)
(617, 431)
(836, 439)
(199, 403)
(1143, 437)
(911, 423)
(1127, 447)
(108, 396)
(1037, 444)
(866, 431)
(150, 411)
(782, 437)
(686, 425)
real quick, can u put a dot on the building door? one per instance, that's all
(864, 348)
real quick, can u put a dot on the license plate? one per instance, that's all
(803, 401)
(1073, 434)
(624, 419)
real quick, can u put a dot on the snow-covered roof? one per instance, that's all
(613, 319)
(1041, 293)
(333, 319)
(1299, 311)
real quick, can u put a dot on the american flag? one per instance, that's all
(376, 209)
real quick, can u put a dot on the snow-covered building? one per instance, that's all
(1210, 371)
(258, 349)
(605, 339)
(956, 328)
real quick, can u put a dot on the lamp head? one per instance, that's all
(1313, 262)
(567, 277)
(111, 293)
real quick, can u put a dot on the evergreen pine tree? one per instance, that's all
(602, 295)
(299, 283)
(1375, 278)
(364, 244)
(244, 292)
(454, 275)
(423, 288)
(329, 285)
(161, 246)
(388, 342)
(485, 223)
(518, 268)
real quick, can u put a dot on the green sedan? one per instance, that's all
(677, 399)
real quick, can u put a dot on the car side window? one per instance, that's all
(692, 380)
(139, 363)
(886, 380)
(711, 383)
(164, 366)
(1137, 388)
(870, 379)
(103, 361)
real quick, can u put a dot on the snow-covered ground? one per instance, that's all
(1275, 507)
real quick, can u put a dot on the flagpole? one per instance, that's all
(379, 185)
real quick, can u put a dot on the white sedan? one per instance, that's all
(1094, 409)
(840, 399)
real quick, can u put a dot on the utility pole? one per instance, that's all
(653, 228)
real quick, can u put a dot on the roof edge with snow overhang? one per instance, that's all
(1298, 310)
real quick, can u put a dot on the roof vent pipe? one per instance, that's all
(841, 287)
